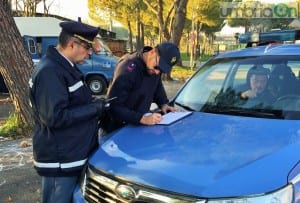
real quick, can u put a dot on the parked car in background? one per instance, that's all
(229, 150)
(98, 69)
(40, 32)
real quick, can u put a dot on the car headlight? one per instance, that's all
(284, 195)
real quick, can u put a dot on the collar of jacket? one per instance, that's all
(64, 63)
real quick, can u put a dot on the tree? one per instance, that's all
(178, 23)
(170, 18)
(169, 14)
(15, 64)
(204, 14)
(46, 6)
(127, 12)
(164, 17)
(29, 7)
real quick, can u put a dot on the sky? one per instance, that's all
(71, 9)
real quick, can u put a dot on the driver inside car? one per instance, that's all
(256, 91)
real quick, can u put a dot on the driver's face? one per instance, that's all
(258, 82)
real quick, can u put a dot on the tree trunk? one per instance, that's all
(178, 23)
(15, 65)
(142, 34)
(163, 23)
(130, 36)
(177, 27)
(6, 5)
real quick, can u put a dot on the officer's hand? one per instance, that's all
(101, 105)
(151, 119)
(248, 94)
(166, 108)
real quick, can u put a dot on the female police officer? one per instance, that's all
(137, 83)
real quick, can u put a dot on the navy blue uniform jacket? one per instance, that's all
(65, 117)
(135, 90)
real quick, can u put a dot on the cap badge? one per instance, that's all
(173, 60)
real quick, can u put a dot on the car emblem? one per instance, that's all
(125, 192)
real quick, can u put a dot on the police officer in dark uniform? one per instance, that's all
(137, 83)
(65, 115)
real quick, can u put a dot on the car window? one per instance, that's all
(204, 86)
(217, 87)
(295, 66)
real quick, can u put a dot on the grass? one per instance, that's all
(181, 73)
(13, 128)
(202, 58)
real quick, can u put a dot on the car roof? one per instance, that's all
(272, 49)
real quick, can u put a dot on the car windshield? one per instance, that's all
(219, 86)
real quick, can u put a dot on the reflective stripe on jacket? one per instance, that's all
(65, 118)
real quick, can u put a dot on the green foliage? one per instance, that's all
(14, 128)
(181, 73)
(207, 12)
(134, 13)
(203, 57)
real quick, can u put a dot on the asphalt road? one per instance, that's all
(19, 183)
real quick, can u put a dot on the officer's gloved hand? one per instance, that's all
(101, 105)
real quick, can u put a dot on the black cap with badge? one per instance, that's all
(169, 56)
(80, 30)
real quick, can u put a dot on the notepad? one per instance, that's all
(172, 117)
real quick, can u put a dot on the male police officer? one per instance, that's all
(137, 83)
(65, 115)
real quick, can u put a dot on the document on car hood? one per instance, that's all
(172, 117)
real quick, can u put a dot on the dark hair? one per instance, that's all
(257, 70)
(64, 38)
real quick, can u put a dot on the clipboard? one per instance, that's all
(172, 117)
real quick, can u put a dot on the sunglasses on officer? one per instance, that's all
(156, 69)
(87, 46)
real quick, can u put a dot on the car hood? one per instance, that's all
(206, 155)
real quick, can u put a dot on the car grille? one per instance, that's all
(100, 187)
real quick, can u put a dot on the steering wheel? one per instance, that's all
(289, 102)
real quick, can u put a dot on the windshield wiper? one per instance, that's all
(241, 111)
(184, 106)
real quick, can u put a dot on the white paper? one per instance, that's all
(173, 116)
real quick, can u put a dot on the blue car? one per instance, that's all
(230, 149)
(98, 70)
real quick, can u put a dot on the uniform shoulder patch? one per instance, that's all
(131, 67)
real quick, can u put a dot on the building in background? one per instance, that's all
(227, 38)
